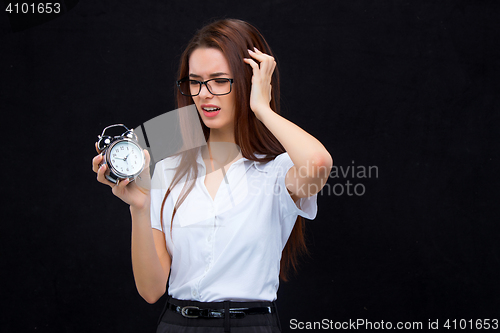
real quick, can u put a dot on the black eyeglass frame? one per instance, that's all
(206, 85)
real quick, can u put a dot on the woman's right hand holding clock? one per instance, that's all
(136, 193)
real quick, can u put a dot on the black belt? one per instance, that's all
(195, 312)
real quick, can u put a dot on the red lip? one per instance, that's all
(210, 113)
(209, 106)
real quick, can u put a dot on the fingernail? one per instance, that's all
(250, 51)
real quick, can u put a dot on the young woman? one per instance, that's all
(224, 221)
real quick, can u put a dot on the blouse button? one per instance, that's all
(209, 238)
(195, 293)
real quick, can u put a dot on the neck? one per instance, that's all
(221, 149)
(219, 135)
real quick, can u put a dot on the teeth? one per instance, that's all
(211, 109)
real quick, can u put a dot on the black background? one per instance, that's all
(407, 86)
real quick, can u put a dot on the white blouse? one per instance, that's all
(228, 248)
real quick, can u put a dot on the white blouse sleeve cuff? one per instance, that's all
(305, 207)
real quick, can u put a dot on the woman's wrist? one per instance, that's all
(139, 211)
(262, 112)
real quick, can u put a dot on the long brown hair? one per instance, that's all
(233, 38)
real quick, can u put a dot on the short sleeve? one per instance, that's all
(305, 207)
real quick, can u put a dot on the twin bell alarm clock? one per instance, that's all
(122, 154)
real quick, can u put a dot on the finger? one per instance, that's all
(253, 64)
(147, 157)
(268, 65)
(147, 161)
(97, 148)
(95, 162)
(267, 62)
(270, 58)
(147, 164)
(120, 185)
(273, 64)
(260, 56)
(264, 55)
(101, 178)
(143, 180)
(123, 183)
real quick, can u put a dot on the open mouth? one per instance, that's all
(211, 109)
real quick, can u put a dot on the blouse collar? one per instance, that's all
(248, 163)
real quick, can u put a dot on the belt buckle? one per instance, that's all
(185, 309)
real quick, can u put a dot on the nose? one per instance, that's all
(204, 92)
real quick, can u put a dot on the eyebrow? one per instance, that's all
(211, 75)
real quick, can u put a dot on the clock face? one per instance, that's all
(126, 157)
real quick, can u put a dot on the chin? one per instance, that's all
(213, 126)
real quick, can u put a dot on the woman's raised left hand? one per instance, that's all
(260, 95)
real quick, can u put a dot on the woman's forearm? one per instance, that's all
(150, 277)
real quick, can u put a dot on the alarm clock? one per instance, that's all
(122, 154)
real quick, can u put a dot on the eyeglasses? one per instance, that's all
(217, 87)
